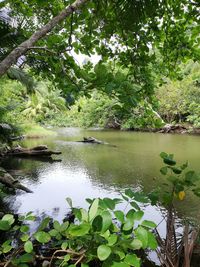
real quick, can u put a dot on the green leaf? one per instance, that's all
(103, 252)
(42, 237)
(44, 224)
(28, 247)
(128, 225)
(9, 218)
(184, 166)
(67, 258)
(136, 244)
(125, 198)
(163, 155)
(24, 237)
(84, 215)
(191, 176)
(77, 213)
(176, 170)
(53, 232)
(93, 209)
(132, 260)
(134, 205)
(119, 252)
(79, 230)
(56, 225)
(196, 191)
(30, 217)
(119, 215)
(164, 170)
(138, 215)
(64, 226)
(97, 223)
(130, 214)
(24, 228)
(148, 224)
(65, 245)
(25, 258)
(129, 193)
(4, 225)
(152, 243)
(112, 239)
(141, 197)
(169, 161)
(107, 220)
(69, 201)
(110, 203)
(7, 248)
(89, 200)
(142, 235)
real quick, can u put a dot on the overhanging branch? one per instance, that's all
(25, 46)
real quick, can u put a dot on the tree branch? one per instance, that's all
(25, 46)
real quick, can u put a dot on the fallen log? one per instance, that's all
(9, 181)
(41, 151)
(92, 140)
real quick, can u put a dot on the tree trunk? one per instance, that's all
(25, 46)
(41, 151)
(9, 181)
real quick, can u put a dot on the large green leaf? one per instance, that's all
(93, 209)
(103, 252)
(9, 218)
(152, 243)
(148, 224)
(132, 260)
(79, 230)
(107, 220)
(28, 247)
(142, 235)
(42, 237)
(4, 225)
(119, 215)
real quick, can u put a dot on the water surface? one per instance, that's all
(88, 170)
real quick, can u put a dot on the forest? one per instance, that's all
(99, 129)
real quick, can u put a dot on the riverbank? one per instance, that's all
(36, 131)
(168, 128)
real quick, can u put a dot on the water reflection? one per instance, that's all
(99, 170)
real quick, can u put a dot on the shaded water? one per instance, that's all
(88, 171)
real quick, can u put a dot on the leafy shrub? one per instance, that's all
(102, 235)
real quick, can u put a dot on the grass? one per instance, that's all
(36, 131)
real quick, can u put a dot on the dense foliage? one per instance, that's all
(179, 100)
(105, 234)
(174, 101)
(127, 32)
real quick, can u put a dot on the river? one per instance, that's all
(89, 171)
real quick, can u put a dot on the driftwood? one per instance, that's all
(9, 181)
(41, 151)
(92, 140)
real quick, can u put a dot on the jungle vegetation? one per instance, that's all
(147, 75)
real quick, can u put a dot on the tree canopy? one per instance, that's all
(129, 33)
